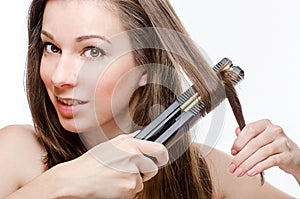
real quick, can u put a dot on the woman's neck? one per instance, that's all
(103, 133)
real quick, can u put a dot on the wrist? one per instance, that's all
(60, 185)
(55, 184)
(63, 185)
(44, 186)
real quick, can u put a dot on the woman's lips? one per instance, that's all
(70, 102)
(68, 106)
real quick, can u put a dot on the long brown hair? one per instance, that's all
(188, 175)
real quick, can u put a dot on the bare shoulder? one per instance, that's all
(22, 138)
(20, 157)
(227, 185)
(217, 162)
(25, 131)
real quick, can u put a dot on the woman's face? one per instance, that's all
(88, 77)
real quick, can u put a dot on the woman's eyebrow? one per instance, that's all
(78, 39)
(86, 37)
(47, 34)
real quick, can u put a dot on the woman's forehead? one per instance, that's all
(82, 17)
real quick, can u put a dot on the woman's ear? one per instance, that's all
(143, 79)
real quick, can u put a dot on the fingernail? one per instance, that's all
(231, 168)
(238, 172)
(252, 172)
(233, 152)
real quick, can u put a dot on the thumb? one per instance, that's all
(237, 131)
(132, 135)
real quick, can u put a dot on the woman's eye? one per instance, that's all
(51, 48)
(93, 52)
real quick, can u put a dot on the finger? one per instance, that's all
(249, 132)
(122, 137)
(117, 154)
(139, 184)
(116, 140)
(271, 134)
(132, 135)
(252, 146)
(266, 164)
(155, 150)
(148, 169)
(259, 156)
(130, 185)
(237, 131)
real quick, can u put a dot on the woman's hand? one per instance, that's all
(114, 169)
(261, 145)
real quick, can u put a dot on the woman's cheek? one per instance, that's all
(45, 75)
(46, 70)
(103, 97)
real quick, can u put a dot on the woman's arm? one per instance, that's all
(44, 186)
(20, 158)
(109, 170)
(227, 185)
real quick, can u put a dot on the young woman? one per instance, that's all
(99, 70)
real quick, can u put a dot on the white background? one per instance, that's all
(261, 36)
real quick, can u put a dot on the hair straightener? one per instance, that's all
(165, 128)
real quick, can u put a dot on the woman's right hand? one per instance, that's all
(114, 169)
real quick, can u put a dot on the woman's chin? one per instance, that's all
(77, 126)
(71, 129)
(72, 126)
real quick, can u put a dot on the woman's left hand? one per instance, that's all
(262, 145)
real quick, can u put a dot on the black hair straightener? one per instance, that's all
(166, 126)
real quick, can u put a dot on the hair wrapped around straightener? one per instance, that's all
(228, 78)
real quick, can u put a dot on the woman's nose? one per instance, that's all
(66, 72)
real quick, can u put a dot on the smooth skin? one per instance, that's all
(85, 177)
(94, 174)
